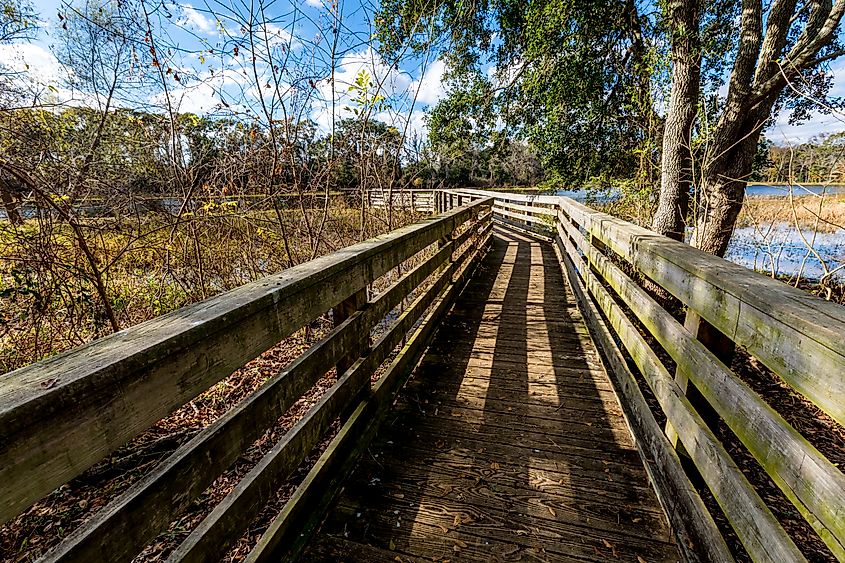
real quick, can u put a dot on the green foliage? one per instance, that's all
(571, 78)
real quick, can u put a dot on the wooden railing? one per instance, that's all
(425, 201)
(415, 200)
(61, 416)
(798, 337)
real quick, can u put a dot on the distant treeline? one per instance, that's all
(818, 161)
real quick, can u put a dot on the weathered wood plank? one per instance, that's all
(284, 536)
(120, 530)
(796, 335)
(229, 519)
(522, 470)
(698, 536)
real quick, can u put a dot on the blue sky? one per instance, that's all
(214, 76)
(212, 60)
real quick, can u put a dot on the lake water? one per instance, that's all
(783, 250)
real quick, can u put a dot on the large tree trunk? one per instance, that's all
(722, 189)
(676, 167)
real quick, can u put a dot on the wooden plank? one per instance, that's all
(698, 536)
(519, 216)
(340, 313)
(60, 416)
(812, 483)
(229, 519)
(505, 473)
(121, 529)
(759, 531)
(617, 516)
(413, 527)
(527, 209)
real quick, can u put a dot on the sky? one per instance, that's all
(214, 77)
(211, 70)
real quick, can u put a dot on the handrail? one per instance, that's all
(60, 416)
(798, 336)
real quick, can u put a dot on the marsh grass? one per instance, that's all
(152, 265)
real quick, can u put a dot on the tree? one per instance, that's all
(17, 21)
(676, 164)
(573, 79)
(777, 65)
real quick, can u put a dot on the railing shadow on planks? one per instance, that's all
(797, 336)
(60, 416)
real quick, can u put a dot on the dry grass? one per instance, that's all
(825, 214)
(48, 303)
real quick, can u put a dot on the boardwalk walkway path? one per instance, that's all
(508, 443)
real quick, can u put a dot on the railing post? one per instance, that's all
(340, 313)
(723, 348)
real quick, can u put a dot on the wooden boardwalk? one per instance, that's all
(507, 444)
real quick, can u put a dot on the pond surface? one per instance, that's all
(782, 248)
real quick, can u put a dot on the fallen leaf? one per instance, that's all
(552, 511)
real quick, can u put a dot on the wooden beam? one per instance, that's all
(290, 530)
(807, 478)
(796, 335)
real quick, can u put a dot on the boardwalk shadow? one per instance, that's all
(507, 444)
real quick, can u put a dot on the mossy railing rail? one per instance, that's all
(60, 416)
(797, 336)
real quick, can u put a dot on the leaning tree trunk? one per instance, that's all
(724, 180)
(676, 164)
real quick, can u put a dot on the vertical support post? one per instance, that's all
(723, 348)
(340, 313)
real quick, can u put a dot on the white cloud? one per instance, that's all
(275, 35)
(33, 62)
(199, 99)
(199, 21)
(385, 80)
(36, 76)
(782, 133)
(430, 86)
(314, 3)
